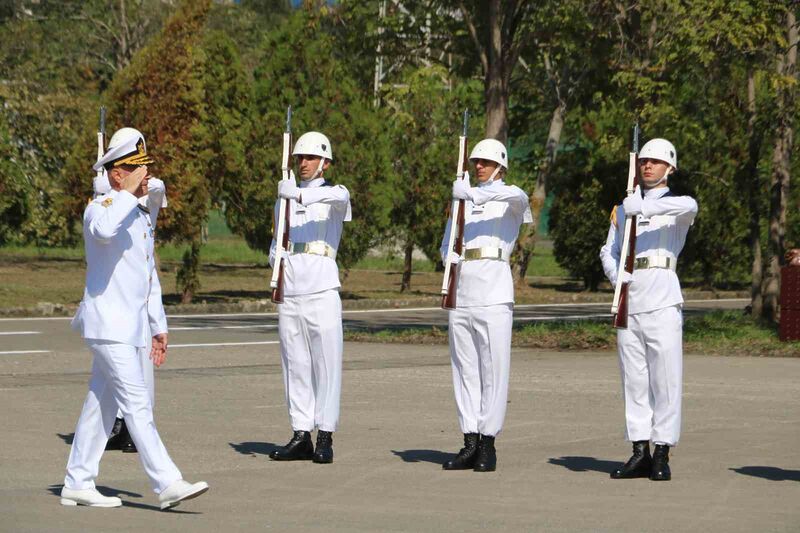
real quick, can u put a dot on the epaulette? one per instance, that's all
(613, 217)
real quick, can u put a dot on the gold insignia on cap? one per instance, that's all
(139, 157)
(107, 202)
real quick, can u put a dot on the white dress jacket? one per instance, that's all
(123, 294)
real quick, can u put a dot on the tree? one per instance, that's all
(781, 164)
(497, 29)
(565, 61)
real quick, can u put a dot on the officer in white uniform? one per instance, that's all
(155, 200)
(122, 298)
(480, 326)
(310, 318)
(651, 348)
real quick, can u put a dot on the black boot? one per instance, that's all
(114, 439)
(465, 459)
(660, 469)
(125, 441)
(639, 463)
(486, 458)
(324, 451)
(298, 449)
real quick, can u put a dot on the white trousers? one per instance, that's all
(117, 383)
(310, 330)
(480, 353)
(148, 373)
(651, 364)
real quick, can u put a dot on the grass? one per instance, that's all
(715, 333)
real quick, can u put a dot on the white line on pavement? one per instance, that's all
(572, 317)
(202, 345)
(20, 332)
(21, 352)
(192, 328)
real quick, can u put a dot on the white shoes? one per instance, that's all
(181, 490)
(89, 497)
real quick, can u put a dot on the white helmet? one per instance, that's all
(492, 150)
(126, 147)
(313, 143)
(660, 149)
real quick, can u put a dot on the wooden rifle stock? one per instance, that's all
(619, 307)
(282, 227)
(449, 299)
(455, 242)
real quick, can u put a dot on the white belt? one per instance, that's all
(485, 252)
(655, 261)
(314, 247)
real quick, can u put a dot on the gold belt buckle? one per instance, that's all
(472, 254)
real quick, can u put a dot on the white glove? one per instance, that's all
(633, 203)
(462, 190)
(453, 258)
(625, 277)
(288, 189)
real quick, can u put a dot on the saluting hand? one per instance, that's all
(133, 180)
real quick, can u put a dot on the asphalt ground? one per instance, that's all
(220, 411)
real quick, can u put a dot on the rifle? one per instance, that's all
(101, 139)
(455, 242)
(619, 307)
(282, 233)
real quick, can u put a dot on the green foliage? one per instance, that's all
(577, 216)
(188, 278)
(14, 190)
(226, 123)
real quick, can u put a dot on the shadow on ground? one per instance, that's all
(66, 437)
(254, 448)
(584, 464)
(768, 472)
(423, 456)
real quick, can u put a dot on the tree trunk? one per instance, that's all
(752, 182)
(781, 172)
(189, 273)
(495, 85)
(409, 251)
(527, 239)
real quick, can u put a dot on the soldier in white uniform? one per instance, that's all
(310, 318)
(122, 298)
(651, 348)
(156, 199)
(480, 326)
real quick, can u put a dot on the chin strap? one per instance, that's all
(318, 172)
(663, 178)
(494, 175)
